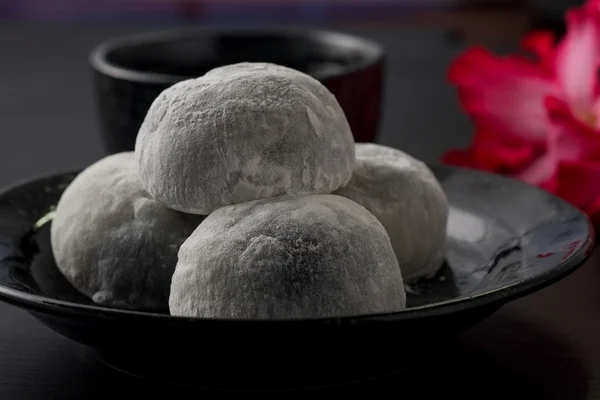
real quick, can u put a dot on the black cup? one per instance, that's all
(130, 72)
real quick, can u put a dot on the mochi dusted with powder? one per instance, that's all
(112, 242)
(408, 200)
(305, 256)
(243, 132)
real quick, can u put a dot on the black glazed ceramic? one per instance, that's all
(505, 239)
(130, 72)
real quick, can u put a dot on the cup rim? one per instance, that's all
(371, 51)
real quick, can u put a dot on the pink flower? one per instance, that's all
(537, 115)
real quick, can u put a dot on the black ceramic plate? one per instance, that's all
(505, 239)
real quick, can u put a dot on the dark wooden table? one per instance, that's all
(544, 346)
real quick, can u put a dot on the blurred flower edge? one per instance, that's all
(536, 114)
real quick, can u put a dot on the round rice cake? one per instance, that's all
(306, 256)
(243, 132)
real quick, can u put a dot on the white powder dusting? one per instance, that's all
(112, 242)
(287, 257)
(408, 200)
(243, 132)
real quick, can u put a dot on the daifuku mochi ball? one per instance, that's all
(243, 132)
(304, 256)
(406, 197)
(112, 242)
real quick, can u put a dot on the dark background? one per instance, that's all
(46, 103)
(545, 346)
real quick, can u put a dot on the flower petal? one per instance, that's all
(542, 171)
(577, 59)
(579, 184)
(592, 8)
(491, 152)
(577, 139)
(506, 92)
(541, 44)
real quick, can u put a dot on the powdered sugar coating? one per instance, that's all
(405, 196)
(243, 132)
(304, 256)
(112, 242)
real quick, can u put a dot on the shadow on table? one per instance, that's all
(504, 357)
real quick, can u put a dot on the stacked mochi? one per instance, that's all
(246, 197)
